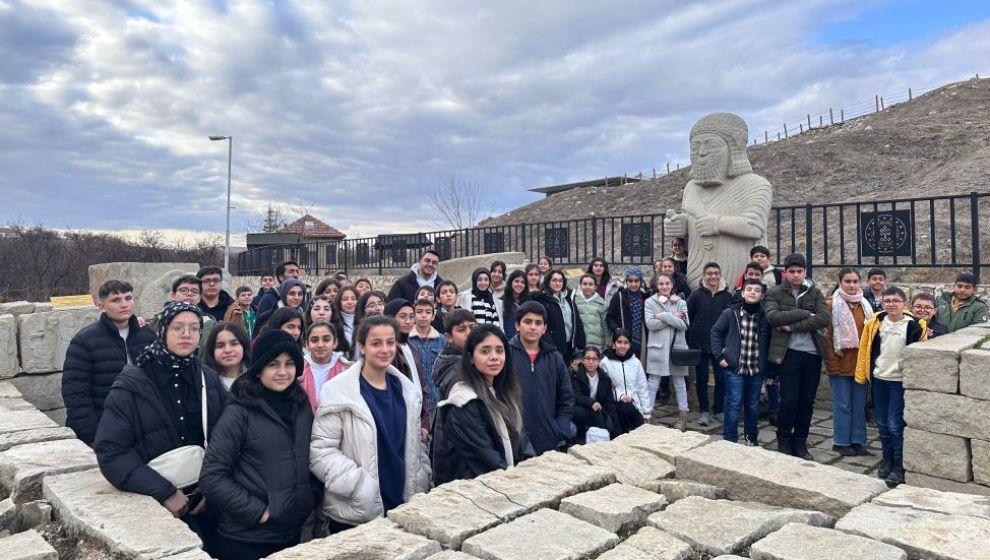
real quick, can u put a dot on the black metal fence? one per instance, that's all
(932, 232)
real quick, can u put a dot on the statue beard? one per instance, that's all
(712, 173)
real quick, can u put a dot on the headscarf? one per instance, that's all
(287, 285)
(158, 350)
(392, 309)
(485, 295)
(636, 302)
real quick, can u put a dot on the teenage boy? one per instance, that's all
(705, 305)
(428, 343)
(97, 353)
(760, 256)
(214, 300)
(188, 288)
(457, 326)
(879, 362)
(446, 294)
(240, 312)
(283, 271)
(739, 342)
(961, 307)
(797, 312)
(267, 285)
(423, 273)
(754, 270)
(876, 283)
(547, 393)
(923, 307)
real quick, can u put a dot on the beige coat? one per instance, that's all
(344, 450)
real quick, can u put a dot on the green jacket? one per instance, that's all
(973, 312)
(806, 313)
(592, 312)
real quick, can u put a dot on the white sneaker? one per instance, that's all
(704, 419)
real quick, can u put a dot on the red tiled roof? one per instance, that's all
(311, 227)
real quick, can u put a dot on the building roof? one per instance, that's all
(311, 227)
(604, 182)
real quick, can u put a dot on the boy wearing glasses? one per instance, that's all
(881, 347)
(189, 288)
(214, 299)
(923, 307)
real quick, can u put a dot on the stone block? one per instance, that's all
(152, 282)
(8, 516)
(742, 471)
(127, 524)
(24, 467)
(16, 308)
(34, 515)
(57, 415)
(933, 365)
(23, 419)
(543, 534)
(937, 455)
(974, 374)
(981, 461)
(15, 404)
(619, 508)
(8, 391)
(377, 540)
(926, 499)
(43, 390)
(675, 490)
(29, 545)
(803, 542)
(650, 543)
(44, 337)
(714, 527)
(544, 481)
(450, 517)
(9, 364)
(922, 534)
(630, 465)
(452, 555)
(954, 415)
(945, 485)
(195, 554)
(666, 443)
(43, 307)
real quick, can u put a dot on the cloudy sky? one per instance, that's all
(357, 109)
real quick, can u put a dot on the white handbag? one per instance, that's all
(181, 465)
(596, 434)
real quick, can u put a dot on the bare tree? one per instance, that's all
(460, 200)
(277, 215)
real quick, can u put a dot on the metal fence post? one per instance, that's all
(974, 210)
(809, 224)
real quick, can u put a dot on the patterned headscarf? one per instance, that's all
(635, 271)
(158, 350)
(636, 302)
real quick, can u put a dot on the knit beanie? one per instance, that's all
(268, 346)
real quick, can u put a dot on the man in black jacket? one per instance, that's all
(548, 397)
(97, 354)
(423, 273)
(705, 305)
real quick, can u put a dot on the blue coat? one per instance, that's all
(548, 397)
(726, 339)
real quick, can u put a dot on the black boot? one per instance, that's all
(896, 475)
(801, 449)
(861, 450)
(886, 465)
(784, 444)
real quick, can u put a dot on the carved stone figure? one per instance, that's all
(725, 206)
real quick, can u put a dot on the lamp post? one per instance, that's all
(226, 243)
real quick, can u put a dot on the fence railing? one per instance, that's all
(933, 232)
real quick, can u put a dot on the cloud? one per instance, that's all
(358, 108)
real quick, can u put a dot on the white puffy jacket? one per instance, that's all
(629, 378)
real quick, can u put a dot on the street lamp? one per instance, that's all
(226, 243)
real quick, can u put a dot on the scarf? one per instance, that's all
(610, 354)
(845, 332)
(284, 290)
(158, 351)
(751, 308)
(636, 300)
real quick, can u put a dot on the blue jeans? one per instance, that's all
(848, 410)
(888, 410)
(742, 392)
(702, 384)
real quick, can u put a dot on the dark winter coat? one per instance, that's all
(548, 398)
(255, 461)
(92, 362)
(443, 370)
(556, 333)
(603, 396)
(806, 313)
(619, 316)
(704, 310)
(256, 300)
(405, 287)
(136, 428)
(220, 310)
(726, 339)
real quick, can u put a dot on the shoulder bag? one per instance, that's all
(181, 465)
(683, 356)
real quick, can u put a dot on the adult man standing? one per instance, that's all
(548, 396)
(97, 354)
(214, 300)
(269, 301)
(423, 273)
(797, 311)
(725, 205)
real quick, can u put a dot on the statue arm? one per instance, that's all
(740, 226)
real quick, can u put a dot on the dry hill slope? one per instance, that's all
(939, 143)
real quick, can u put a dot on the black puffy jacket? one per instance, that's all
(556, 333)
(95, 357)
(603, 396)
(136, 428)
(704, 309)
(255, 461)
(548, 397)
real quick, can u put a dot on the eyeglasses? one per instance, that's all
(374, 305)
(192, 330)
(892, 301)
(187, 291)
(924, 308)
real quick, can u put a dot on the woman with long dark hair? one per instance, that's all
(515, 295)
(481, 417)
(346, 301)
(329, 287)
(632, 396)
(534, 280)
(287, 319)
(321, 309)
(564, 327)
(497, 273)
(230, 354)
(323, 361)
(604, 284)
(256, 469)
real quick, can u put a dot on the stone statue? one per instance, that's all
(725, 206)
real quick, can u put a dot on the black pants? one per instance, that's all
(799, 375)
(585, 418)
(239, 550)
(629, 417)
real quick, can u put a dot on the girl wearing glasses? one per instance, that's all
(594, 402)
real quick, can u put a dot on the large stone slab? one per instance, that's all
(16, 308)
(43, 390)
(981, 461)
(939, 455)
(44, 337)
(650, 543)
(8, 391)
(755, 474)
(926, 499)
(128, 524)
(544, 481)
(24, 467)
(663, 442)
(630, 465)
(618, 508)
(803, 542)
(196, 554)
(152, 282)
(675, 490)
(11, 439)
(378, 540)
(974, 374)
(9, 364)
(452, 555)
(544, 534)
(19, 420)
(933, 365)
(29, 545)
(923, 534)
(954, 415)
(945, 485)
(449, 517)
(716, 527)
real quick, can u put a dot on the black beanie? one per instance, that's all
(393, 307)
(270, 345)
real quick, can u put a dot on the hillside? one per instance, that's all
(939, 143)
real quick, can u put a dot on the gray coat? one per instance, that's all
(666, 330)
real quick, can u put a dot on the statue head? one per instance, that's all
(718, 148)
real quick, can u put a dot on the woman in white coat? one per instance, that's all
(628, 382)
(365, 446)
(666, 320)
